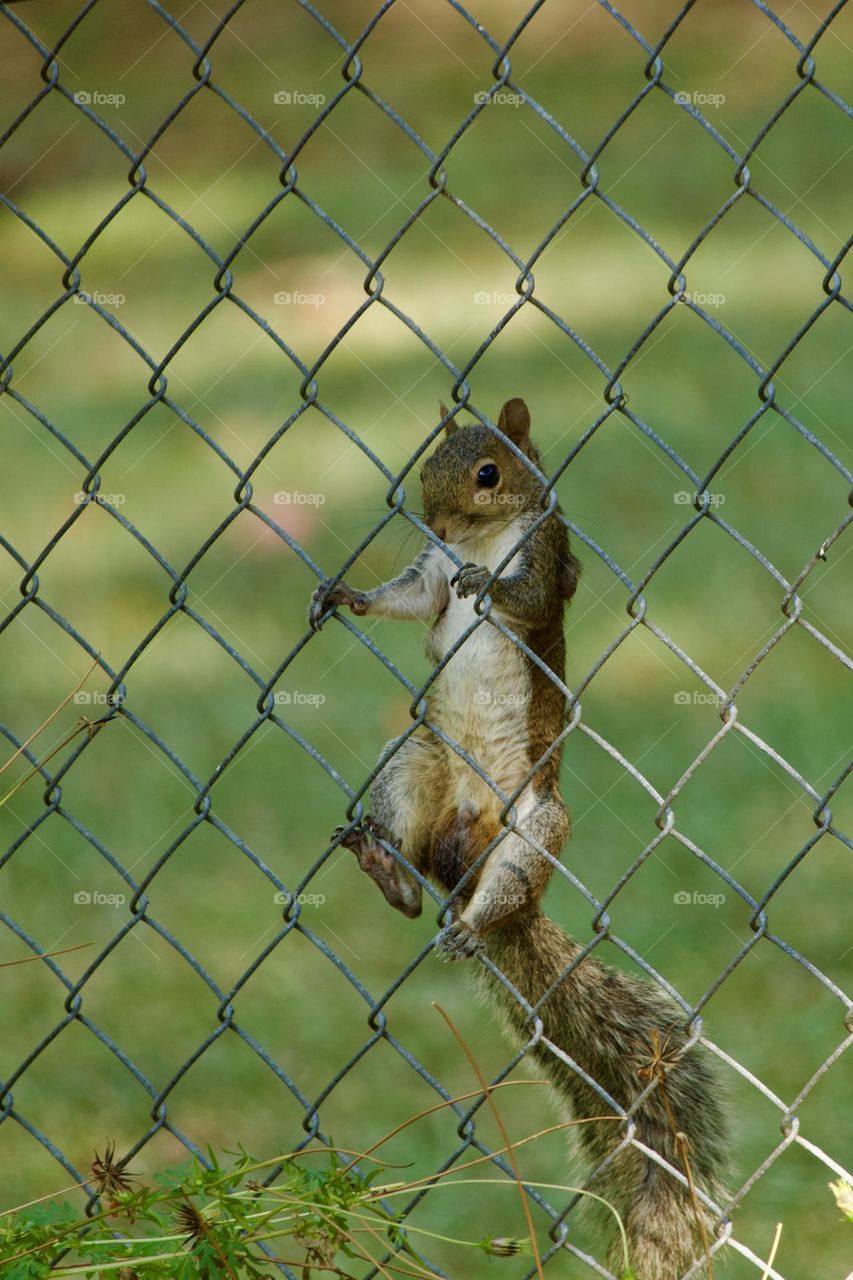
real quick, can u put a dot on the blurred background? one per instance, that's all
(298, 273)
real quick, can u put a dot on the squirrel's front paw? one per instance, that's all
(470, 580)
(326, 597)
(458, 941)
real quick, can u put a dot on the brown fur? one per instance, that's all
(607, 1022)
(505, 712)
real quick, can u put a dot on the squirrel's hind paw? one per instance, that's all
(458, 941)
(399, 888)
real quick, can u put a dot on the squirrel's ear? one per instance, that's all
(450, 426)
(514, 421)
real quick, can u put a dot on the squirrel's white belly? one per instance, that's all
(482, 696)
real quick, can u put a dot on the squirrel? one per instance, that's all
(434, 814)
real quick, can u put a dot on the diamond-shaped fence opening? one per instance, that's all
(245, 251)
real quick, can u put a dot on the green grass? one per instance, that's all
(711, 597)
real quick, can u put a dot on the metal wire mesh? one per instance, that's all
(770, 402)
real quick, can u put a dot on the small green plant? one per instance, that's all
(200, 1221)
(842, 1190)
(196, 1220)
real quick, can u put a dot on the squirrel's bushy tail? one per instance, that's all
(610, 1024)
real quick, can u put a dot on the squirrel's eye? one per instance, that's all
(488, 476)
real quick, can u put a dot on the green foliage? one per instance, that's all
(842, 1190)
(197, 1221)
(203, 1221)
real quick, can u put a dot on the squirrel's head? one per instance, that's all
(473, 478)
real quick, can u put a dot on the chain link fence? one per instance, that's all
(649, 83)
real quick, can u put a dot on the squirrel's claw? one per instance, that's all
(470, 580)
(469, 564)
(458, 942)
(365, 831)
(320, 604)
(326, 597)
